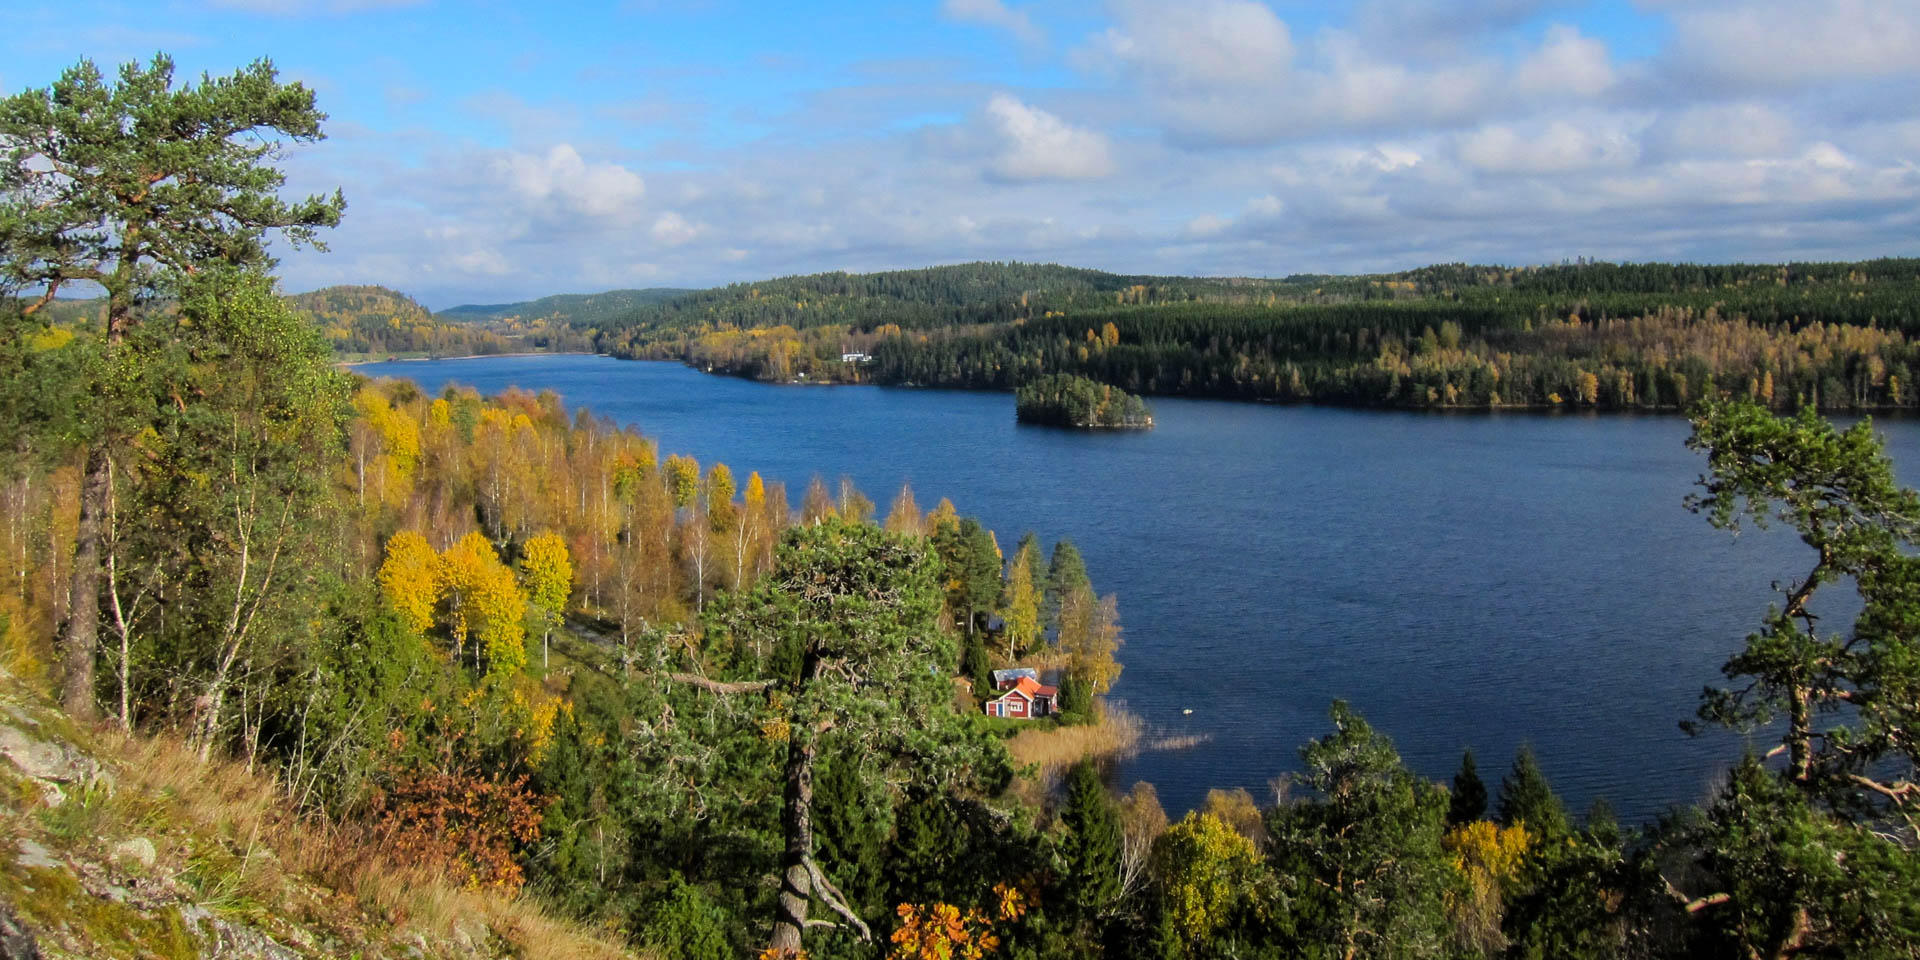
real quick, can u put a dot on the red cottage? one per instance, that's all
(1025, 698)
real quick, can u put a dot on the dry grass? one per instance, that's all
(1051, 750)
(1186, 741)
(332, 875)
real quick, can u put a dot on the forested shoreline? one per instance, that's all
(505, 646)
(1594, 336)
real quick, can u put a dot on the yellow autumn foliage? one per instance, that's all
(1203, 867)
(410, 580)
(1486, 847)
(547, 571)
(485, 604)
(942, 517)
(1489, 858)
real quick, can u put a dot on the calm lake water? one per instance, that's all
(1467, 580)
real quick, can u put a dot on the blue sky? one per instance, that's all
(502, 151)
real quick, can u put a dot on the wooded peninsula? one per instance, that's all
(326, 666)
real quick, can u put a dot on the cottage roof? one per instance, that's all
(1012, 673)
(1034, 688)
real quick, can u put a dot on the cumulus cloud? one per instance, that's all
(1259, 214)
(1036, 145)
(1745, 129)
(564, 178)
(1562, 147)
(670, 229)
(1568, 62)
(1231, 72)
(1251, 145)
(993, 13)
(1776, 43)
(1198, 46)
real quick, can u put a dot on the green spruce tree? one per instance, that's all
(1468, 800)
(1066, 572)
(1526, 798)
(1092, 846)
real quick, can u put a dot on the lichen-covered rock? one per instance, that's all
(33, 855)
(16, 941)
(52, 766)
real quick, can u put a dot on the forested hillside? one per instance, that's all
(1641, 336)
(378, 322)
(580, 310)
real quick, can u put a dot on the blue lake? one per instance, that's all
(1465, 580)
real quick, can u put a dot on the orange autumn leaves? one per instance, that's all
(942, 931)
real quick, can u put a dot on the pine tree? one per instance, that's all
(977, 666)
(154, 184)
(1369, 842)
(1469, 799)
(1075, 699)
(1066, 572)
(1092, 846)
(688, 924)
(1526, 798)
(971, 570)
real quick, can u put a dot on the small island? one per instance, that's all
(1064, 400)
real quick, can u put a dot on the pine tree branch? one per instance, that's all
(721, 686)
(834, 899)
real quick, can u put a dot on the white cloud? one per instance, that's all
(1036, 145)
(1208, 225)
(993, 13)
(562, 177)
(484, 261)
(1252, 146)
(1747, 129)
(1568, 62)
(1199, 45)
(1229, 72)
(672, 230)
(1382, 158)
(1780, 43)
(1260, 215)
(1562, 147)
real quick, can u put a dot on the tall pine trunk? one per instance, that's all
(796, 822)
(80, 639)
(796, 881)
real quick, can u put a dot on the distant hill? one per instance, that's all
(377, 321)
(576, 309)
(927, 298)
(361, 305)
(65, 311)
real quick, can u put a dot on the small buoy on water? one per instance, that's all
(1187, 710)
